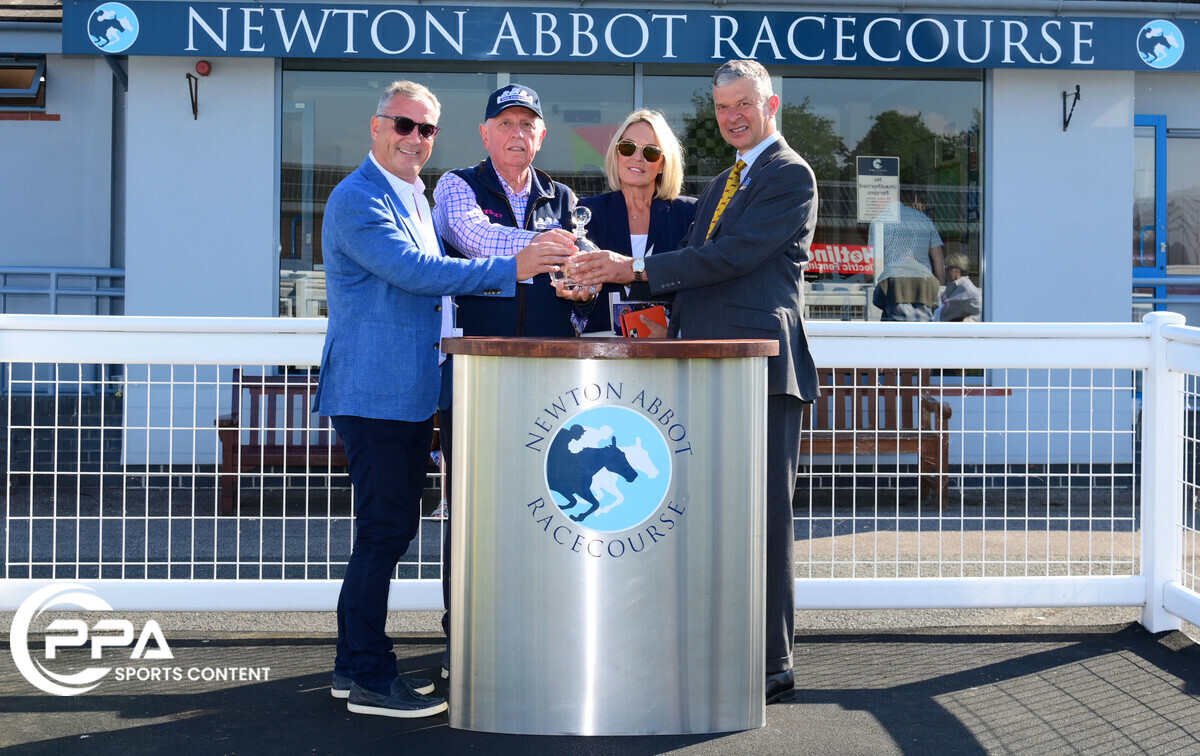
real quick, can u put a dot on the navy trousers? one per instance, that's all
(785, 416)
(387, 461)
(446, 438)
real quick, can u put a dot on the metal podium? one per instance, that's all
(608, 535)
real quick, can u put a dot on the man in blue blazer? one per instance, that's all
(387, 282)
(739, 277)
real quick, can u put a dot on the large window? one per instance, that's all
(931, 125)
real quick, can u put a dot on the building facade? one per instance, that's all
(192, 145)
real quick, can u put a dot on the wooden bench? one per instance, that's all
(270, 424)
(875, 412)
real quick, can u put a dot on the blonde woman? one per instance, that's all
(644, 213)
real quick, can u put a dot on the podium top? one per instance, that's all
(610, 349)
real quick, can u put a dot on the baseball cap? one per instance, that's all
(511, 96)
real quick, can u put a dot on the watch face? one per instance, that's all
(639, 265)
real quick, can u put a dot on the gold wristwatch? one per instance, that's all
(639, 269)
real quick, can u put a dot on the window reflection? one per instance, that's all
(1183, 206)
(687, 103)
(932, 126)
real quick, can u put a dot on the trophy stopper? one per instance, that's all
(579, 219)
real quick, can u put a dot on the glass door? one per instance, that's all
(1149, 215)
(1166, 219)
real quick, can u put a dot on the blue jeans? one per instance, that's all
(387, 461)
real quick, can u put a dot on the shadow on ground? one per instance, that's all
(1090, 690)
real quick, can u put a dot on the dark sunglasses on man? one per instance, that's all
(404, 126)
(651, 153)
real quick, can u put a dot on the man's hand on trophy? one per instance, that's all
(542, 257)
(556, 236)
(567, 287)
(593, 268)
(574, 292)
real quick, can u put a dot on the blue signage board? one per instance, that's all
(410, 31)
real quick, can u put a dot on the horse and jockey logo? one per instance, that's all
(1160, 44)
(113, 27)
(609, 466)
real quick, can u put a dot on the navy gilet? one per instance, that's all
(535, 310)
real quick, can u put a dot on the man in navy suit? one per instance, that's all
(739, 277)
(388, 283)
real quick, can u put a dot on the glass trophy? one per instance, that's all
(579, 220)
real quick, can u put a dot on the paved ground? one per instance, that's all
(1070, 681)
(1044, 681)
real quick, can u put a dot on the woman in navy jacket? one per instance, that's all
(644, 213)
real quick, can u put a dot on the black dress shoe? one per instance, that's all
(779, 684)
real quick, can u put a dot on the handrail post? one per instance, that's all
(1162, 468)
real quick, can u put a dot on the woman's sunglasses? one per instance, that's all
(650, 152)
(405, 126)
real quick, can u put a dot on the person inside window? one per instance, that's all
(962, 301)
(911, 250)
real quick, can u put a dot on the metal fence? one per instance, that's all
(1042, 465)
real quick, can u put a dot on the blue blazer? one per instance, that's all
(384, 289)
(609, 229)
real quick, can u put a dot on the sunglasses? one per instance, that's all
(405, 126)
(651, 153)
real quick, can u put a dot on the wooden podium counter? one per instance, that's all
(608, 545)
(610, 349)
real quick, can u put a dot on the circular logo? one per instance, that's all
(1160, 44)
(113, 27)
(608, 468)
(59, 596)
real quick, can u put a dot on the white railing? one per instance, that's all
(1066, 482)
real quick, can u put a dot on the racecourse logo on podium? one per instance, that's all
(608, 457)
(608, 468)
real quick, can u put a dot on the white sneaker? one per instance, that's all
(440, 513)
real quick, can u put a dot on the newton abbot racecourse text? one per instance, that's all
(767, 37)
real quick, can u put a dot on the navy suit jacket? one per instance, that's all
(745, 282)
(384, 289)
(609, 229)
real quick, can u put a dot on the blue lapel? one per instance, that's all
(399, 209)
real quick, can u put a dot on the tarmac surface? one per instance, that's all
(932, 682)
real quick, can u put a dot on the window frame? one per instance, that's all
(33, 96)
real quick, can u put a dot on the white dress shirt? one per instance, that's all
(413, 197)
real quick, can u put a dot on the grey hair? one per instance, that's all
(733, 70)
(412, 91)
